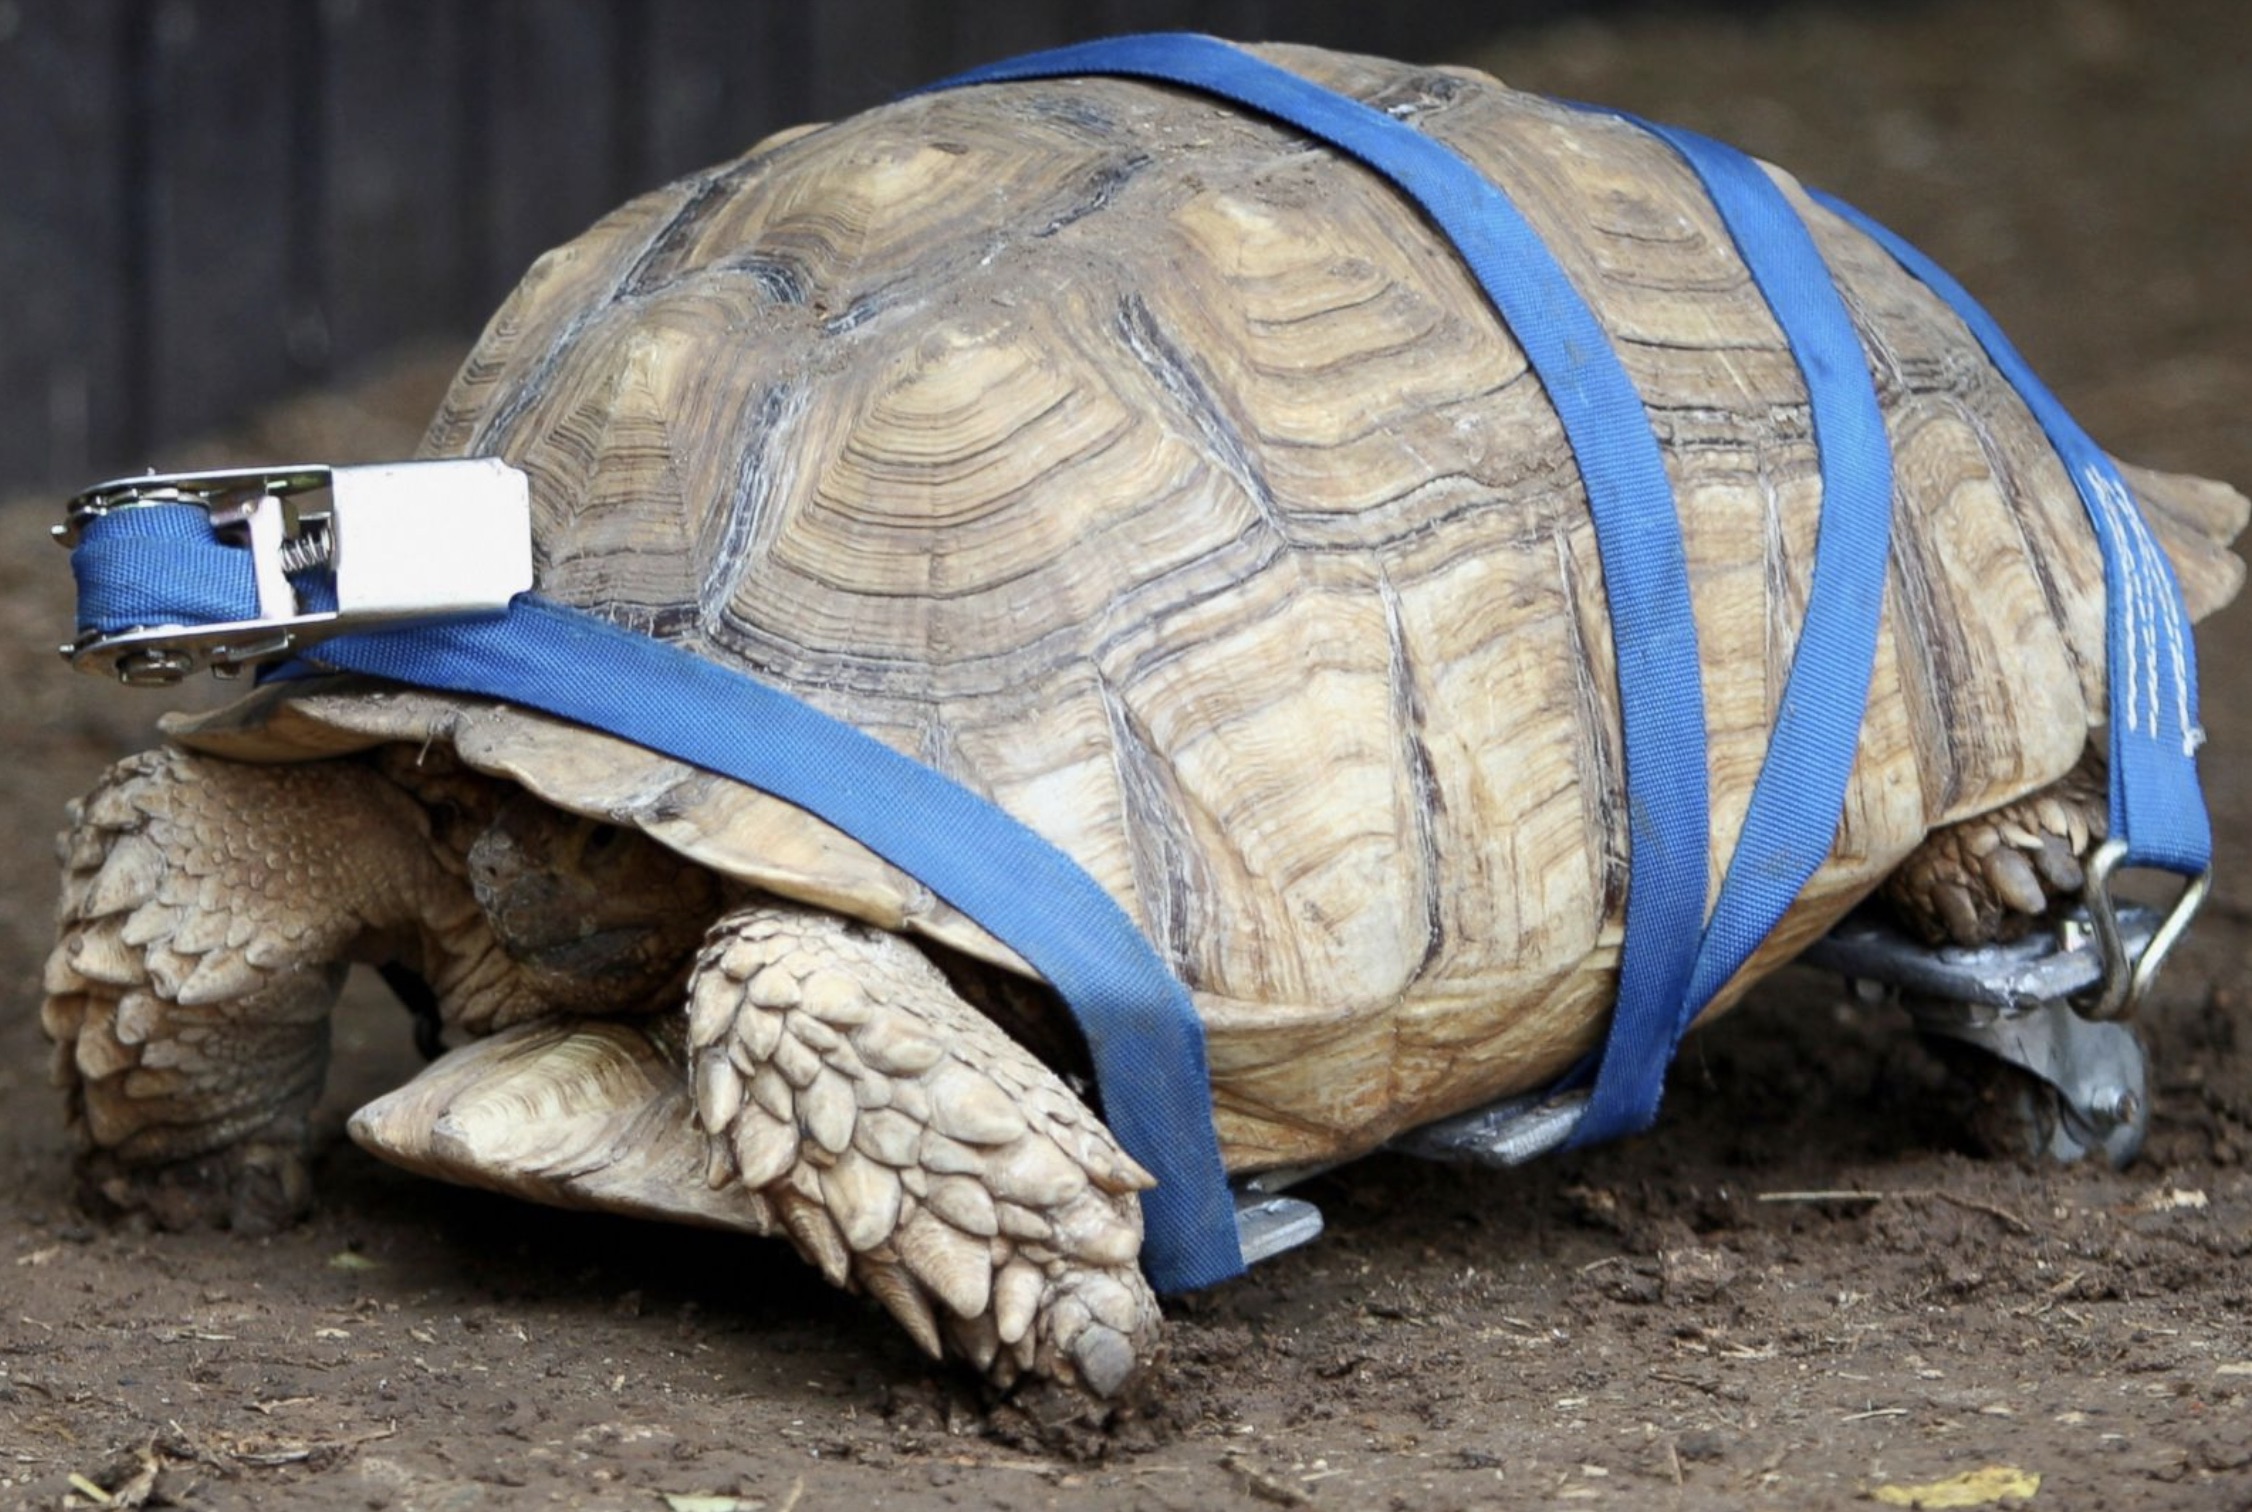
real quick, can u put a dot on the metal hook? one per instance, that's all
(2127, 978)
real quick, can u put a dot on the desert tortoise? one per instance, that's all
(1165, 479)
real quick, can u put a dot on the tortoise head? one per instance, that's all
(599, 917)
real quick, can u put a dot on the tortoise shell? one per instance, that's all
(1166, 479)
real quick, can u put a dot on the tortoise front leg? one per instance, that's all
(910, 1147)
(209, 910)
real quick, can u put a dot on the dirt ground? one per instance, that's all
(1636, 1326)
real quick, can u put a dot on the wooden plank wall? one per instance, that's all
(205, 203)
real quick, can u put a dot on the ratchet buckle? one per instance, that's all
(391, 542)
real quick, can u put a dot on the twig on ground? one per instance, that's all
(2002, 1215)
(1708, 1387)
(266, 1459)
(2007, 1218)
(1264, 1486)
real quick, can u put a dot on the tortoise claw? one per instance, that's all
(256, 1186)
(1996, 875)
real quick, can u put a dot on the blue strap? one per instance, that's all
(163, 568)
(1796, 802)
(2157, 806)
(1143, 1035)
(1637, 533)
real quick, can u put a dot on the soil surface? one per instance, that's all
(1636, 1326)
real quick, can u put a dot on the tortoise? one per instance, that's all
(1167, 480)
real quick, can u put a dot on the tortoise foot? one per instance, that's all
(258, 1185)
(912, 1150)
(1997, 875)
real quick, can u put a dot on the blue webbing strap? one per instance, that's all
(164, 568)
(2157, 806)
(1637, 532)
(1143, 1035)
(1792, 819)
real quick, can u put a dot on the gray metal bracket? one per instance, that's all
(2096, 1071)
(2016, 1001)
(1267, 1223)
(2047, 966)
(1506, 1133)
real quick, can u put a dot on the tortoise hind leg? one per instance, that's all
(911, 1148)
(2047, 1081)
(1996, 875)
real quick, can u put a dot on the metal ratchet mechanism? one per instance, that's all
(393, 542)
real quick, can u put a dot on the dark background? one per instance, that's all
(206, 203)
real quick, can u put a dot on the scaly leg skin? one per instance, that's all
(1997, 875)
(913, 1150)
(208, 912)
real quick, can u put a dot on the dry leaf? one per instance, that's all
(134, 1490)
(1973, 1488)
(2173, 1199)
